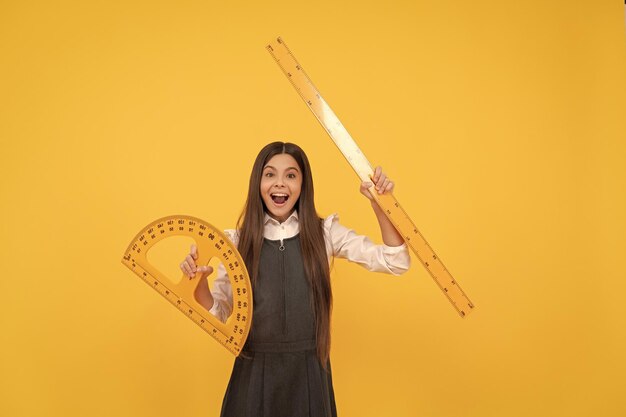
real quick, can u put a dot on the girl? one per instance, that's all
(284, 367)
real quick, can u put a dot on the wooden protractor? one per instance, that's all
(211, 243)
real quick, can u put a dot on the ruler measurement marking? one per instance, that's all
(355, 157)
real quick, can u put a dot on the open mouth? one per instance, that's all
(279, 198)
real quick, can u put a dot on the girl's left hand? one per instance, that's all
(379, 179)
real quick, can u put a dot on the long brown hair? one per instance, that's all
(250, 225)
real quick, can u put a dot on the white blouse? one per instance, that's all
(340, 241)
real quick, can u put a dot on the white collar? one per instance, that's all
(267, 218)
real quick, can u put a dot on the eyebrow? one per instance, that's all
(269, 166)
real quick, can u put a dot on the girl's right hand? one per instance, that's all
(189, 268)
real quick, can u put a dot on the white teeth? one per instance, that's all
(279, 195)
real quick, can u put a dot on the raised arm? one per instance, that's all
(384, 185)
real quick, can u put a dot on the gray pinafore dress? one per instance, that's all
(278, 373)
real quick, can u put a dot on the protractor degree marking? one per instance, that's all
(171, 296)
(211, 243)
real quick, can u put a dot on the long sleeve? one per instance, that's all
(222, 290)
(343, 242)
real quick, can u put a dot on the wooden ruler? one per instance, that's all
(211, 243)
(400, 219)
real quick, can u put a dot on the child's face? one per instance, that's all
(281, 182)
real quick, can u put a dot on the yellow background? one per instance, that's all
(502, 122)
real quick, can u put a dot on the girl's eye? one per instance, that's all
(292, 175)
(268, 174)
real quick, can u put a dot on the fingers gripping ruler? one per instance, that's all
(398, 217)
(211, 243)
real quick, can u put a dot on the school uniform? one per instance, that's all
(278, 373)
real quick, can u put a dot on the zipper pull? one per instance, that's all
(281, 247)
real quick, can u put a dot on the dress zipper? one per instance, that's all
(281, 248)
